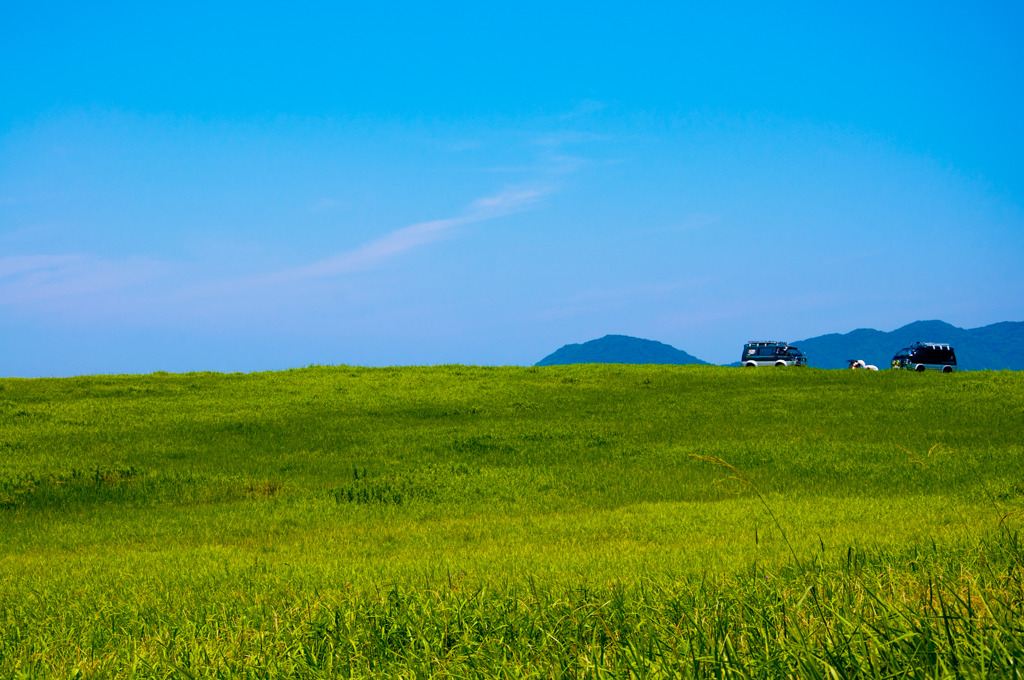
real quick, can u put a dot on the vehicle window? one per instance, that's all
(934, 355)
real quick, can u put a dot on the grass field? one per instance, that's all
(572, 521)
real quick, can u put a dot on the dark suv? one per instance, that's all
(926, 356)
(771, 353)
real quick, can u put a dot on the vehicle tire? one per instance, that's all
(780, 363)
(919, 368)
(947, 369)
(750, 364)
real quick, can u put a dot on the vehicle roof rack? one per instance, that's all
(933, 345)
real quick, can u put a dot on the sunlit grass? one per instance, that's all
(565, 521)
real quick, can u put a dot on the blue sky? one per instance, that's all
(252, 187)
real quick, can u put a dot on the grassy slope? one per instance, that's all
(222, 505)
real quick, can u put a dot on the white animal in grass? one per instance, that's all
(859, 363)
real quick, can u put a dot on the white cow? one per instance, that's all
(859, 364)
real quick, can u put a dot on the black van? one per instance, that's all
(926, 356)
(771, 353)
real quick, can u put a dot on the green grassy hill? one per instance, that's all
(558, 521)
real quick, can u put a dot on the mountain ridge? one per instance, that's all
(996, 346)
(618, 349)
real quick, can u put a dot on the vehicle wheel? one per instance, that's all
(750, 365)
(919, 368)
(947, 369)
(779, 363)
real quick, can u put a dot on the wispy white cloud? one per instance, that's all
(555, 154)
(23, 264)
(85, 285)
(408, 238)
(30, 279)
(327, 204)
(569, 138)
(584, 108)
(505, 203)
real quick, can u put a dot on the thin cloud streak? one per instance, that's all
(28, 279)
(82, 285)
(408, 238)
(698, 221)
(24, 264)
(585, 108)
(257, 290)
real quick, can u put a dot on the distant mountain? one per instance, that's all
(994, 347)
(998, 346)
(619, 349)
